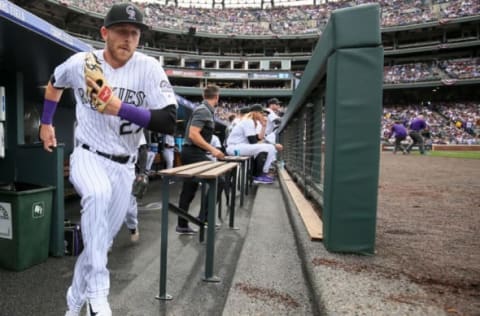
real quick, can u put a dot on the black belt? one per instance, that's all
(119, 159)
(168, 146)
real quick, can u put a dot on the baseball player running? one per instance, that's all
(118, 91)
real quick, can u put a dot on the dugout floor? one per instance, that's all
(258, 265)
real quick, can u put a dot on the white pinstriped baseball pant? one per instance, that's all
(168, 156)
(254, 150)
(131, 218)
(105, 188)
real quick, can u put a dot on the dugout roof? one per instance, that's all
(32, 46)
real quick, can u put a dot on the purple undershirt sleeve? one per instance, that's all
(49, 108)
(131, 113)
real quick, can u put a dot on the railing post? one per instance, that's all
(232, 199)
(210, 257)
(164, 242)
(242, 181)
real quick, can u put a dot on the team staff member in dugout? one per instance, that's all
(198, 135)
(102, 165)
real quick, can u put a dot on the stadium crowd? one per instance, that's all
(306, 19)
(464, 68)
(448, 123)
(461, 68)
(410, 73)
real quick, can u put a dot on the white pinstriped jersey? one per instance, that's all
(141, 82)
(272, 116)
(241, 131)
(169, 140)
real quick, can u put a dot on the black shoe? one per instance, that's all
(134, 235)
(185, 230)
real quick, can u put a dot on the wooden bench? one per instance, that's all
(208, 173)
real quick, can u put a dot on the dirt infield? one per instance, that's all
(428, 228)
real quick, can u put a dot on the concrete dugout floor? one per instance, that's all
(258, 265)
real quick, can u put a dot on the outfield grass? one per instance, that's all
(455, 154)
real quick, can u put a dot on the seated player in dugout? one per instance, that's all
(273, 123)
(273, 120)
(246, 139)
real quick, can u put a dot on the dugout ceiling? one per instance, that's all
(28, 50)
(22, 50)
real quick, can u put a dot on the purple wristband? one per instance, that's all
(49, 108)
(131, 113)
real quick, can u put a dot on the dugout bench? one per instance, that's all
(207, 173)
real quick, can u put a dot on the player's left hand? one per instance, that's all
(102, 98)
(98, 89)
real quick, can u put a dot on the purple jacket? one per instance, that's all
(399, 131)
(418, 124)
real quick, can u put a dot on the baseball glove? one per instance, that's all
(98, 90)
(140, 185)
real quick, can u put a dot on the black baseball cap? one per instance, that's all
(244, 110)
(124, 13)
(258, 108)
(273, 101)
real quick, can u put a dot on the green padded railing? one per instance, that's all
(331, 130)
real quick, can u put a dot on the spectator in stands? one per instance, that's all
(399, 131)
(198, 134)
(303, 19)
(417, 126)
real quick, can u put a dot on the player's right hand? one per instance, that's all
(217, 154)
(47, 136)
(100, 96)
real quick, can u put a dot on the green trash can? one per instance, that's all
(25, 217)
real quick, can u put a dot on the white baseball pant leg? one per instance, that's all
(105, 190)
(150, 159)
(168, 156)
(131, 219)
(254, 150)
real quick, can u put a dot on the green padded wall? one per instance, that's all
(349, 57)
(353, 123)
